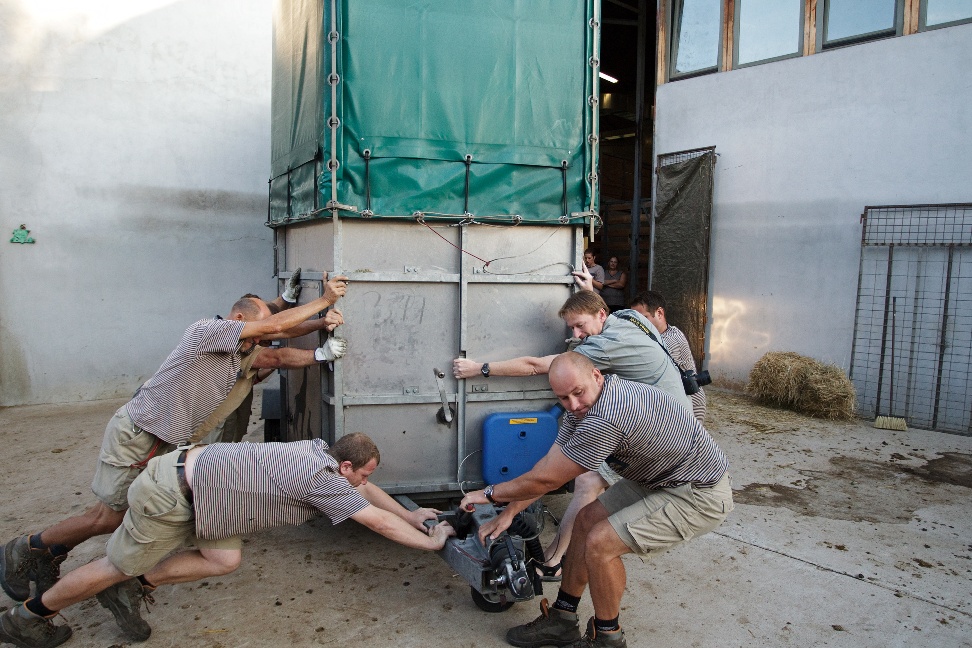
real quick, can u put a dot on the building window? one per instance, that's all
(767, 30)
(696, 25)
(944, 13)
(852, 21)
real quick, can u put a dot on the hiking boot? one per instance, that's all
(47, 570)
(595, 639)
(18, 565)
(124, 600)
(21, 627)
(552, 628)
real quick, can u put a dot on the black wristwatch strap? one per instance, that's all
(485, 370)
(488, 492)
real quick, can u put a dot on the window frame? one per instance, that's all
(923, 18)
(736, 65)
(675, 24)
(896, 30)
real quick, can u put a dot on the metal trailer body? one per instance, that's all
(443, 156)
(414, 304)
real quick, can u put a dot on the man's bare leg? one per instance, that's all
(586, 489)
(187, 566)
(97, 520)
(82, 583)
(605, 569)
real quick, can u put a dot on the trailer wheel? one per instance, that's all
(487, 605)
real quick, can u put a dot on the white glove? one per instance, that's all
(292, 291)
(333, 349)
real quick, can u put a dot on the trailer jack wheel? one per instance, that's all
(486, 605)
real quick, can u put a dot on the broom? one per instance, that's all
(891, 422)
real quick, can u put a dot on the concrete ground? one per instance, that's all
(843, 535)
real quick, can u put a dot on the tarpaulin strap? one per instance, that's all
(155, 448)
(367, 213)
(563, 172)
(465, 205)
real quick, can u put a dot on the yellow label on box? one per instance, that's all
(521, 421)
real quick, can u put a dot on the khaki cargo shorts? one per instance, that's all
(651, 521)
(124, 444)
(159, 520)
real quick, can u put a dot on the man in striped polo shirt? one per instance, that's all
(651, 304)
(616, 344)
(165, 411)
(675, 486)
(218, 493)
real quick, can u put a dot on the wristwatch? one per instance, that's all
(488, 493)
(485, 370)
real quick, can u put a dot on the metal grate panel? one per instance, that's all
(913, 323)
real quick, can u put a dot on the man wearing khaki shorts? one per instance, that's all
(674, 486)
(217, 493)
(165, 411)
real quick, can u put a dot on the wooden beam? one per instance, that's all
(661, 52)
(728, 22)
(810, 27)
(912, 12)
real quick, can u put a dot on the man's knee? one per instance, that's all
(103, 519)
(589, 517)
(222, 561)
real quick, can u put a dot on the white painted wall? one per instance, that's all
(803, 146)
(135, 145)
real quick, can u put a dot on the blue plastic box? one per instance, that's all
(514, 441)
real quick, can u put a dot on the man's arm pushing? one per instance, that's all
(331, 320)
(397, 529)
(333, 290)
(551, 472)
(377, 497)
(523, 366)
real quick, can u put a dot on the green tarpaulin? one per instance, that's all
(388, 108)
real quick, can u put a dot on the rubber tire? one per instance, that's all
(488, 606)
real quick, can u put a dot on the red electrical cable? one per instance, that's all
(453, 244)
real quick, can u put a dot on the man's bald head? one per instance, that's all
(252, 309)
(576, 382)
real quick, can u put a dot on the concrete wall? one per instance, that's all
(803, 146)
(134, 144)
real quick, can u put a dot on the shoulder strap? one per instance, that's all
(647, 330)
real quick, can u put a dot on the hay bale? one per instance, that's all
(802, 384)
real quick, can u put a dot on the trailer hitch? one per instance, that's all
(499, 572)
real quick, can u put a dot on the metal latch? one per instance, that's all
(445, 413)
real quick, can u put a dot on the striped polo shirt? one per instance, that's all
(191, 383)
(245, 487)
(644, 435)
(678, 345)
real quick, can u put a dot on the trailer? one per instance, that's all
(443, 156)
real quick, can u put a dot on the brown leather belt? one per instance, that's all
(181, 476)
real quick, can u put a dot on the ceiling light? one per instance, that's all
(607, 77)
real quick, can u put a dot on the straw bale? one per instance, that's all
(790, 380)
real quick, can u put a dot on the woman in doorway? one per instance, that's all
(615, 280)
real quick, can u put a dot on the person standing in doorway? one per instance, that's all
(615, 279)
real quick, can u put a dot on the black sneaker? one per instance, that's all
(552, 628)
(18, 565)
(21, 627)
(124, 600)
(47, 570)
(595, 639)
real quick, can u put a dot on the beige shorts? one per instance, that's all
(159, 520)
(124, 444)
(651, 521)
